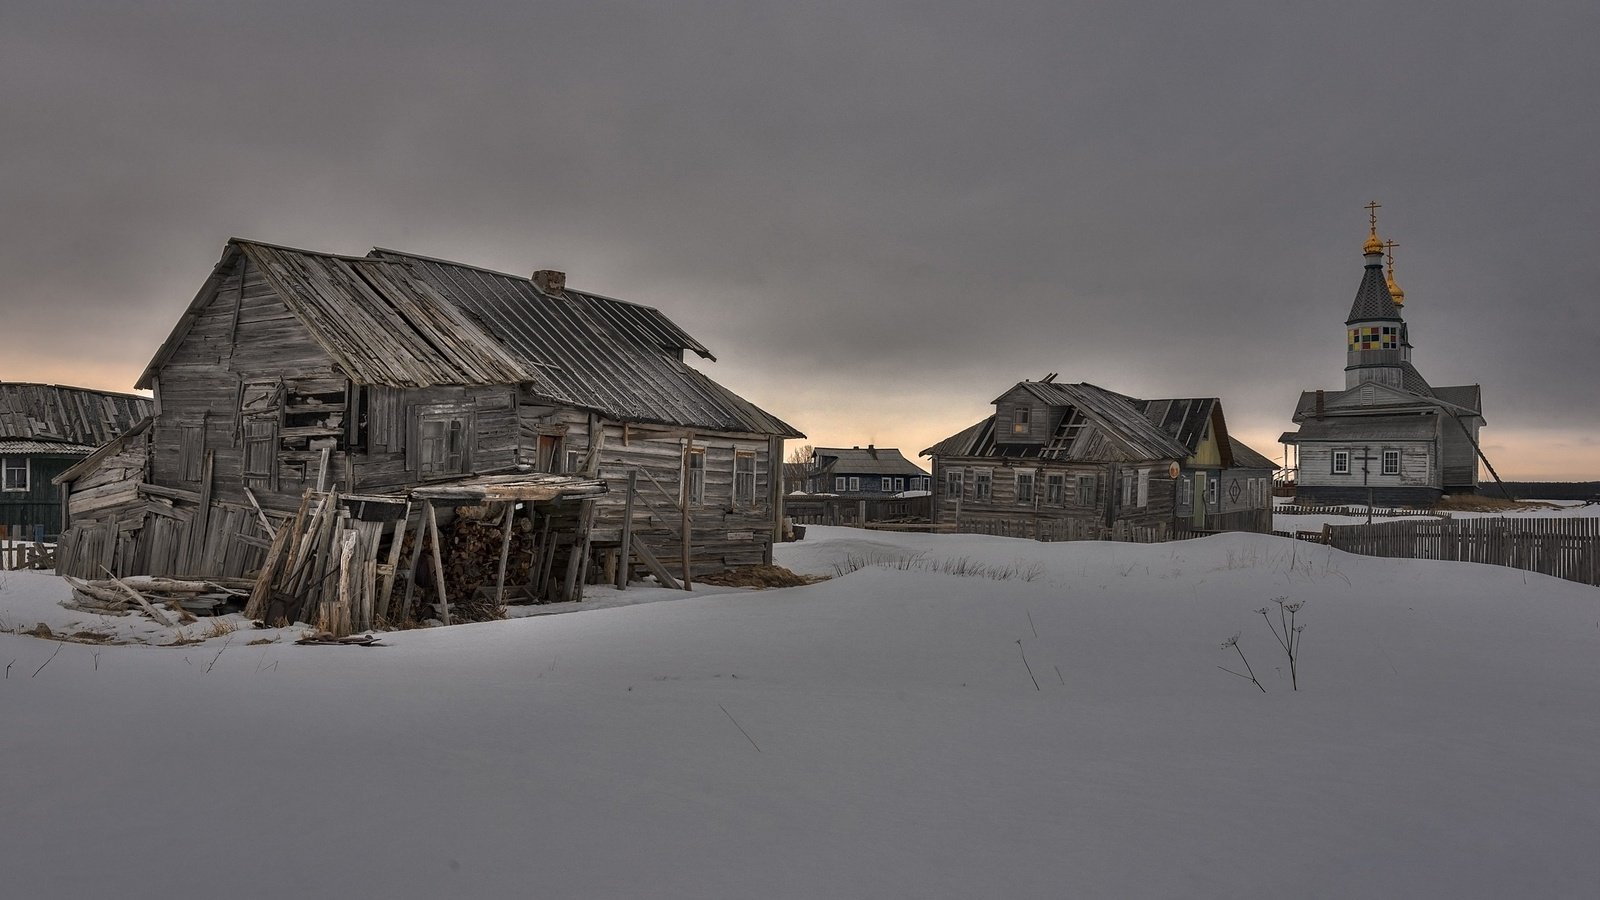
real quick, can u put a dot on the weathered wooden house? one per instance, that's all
(1389, 437)
(857, 472)
(1076, 461)
(44, 429)
(392, 376)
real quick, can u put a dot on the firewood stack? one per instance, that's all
(473, 540)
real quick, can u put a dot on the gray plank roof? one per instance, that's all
(66, 415)
(402, 320)
(595, 352)
(1368, 428)
(1125, 428)
(866, 461)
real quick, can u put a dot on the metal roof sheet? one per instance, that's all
(40, 448)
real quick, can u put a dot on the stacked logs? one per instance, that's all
(473, 540)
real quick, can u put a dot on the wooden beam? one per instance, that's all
(438, 565)
(505, 553)
(653, 564)
(394, 559)
(623, 565)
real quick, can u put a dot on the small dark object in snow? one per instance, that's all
(358, 640)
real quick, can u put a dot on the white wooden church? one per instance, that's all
(1389, 437)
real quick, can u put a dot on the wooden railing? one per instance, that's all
(861, 513)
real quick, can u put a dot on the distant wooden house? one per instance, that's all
(1389, 437)
(862, 473)
(44, 429)
(1076, 461)
(390, 377)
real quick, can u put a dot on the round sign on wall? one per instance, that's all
(1172, 470)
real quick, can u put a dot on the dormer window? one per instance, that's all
(1022, 420)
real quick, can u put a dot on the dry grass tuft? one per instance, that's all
(220, 627)
(759, 577)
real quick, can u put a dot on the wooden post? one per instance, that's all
(687, 534)
(775, 492)
(626, 551)
(416, 559)
(385, 592)
(505, 552)
(438, 564)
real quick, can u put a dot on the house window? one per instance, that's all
(888, 485)
(982, 484)
(952, 484)
(1022, 420)
(1391, 462)
(1088, 490)
(1185, 492)
(443, 442)
(1127, 489)
(899, 485)
(694, 463)
(744, 477)
(1211, 492)
(14, 473)
(1144, 487)
(574, 462)
(855, 483)
(1341, 462)
(1024, 486)
(841, 483)
(1055, 489)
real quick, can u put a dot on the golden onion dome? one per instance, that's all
(1373, 244)
(1397, 292)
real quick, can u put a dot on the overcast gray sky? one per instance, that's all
(878, 216)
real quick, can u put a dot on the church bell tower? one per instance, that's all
(1377, 347)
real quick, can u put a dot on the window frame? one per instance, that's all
(1055, 489)
(1340, 462)
(982, 485)
(1087, 487)
(8, 466)
(694, 476)
(1395, 455)
(954, 477)
(1026, 494)
(744, 481)
(454, 419)
(1022, 420)
(840, 484)
(855, 484)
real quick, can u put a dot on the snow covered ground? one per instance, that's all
(900, 731)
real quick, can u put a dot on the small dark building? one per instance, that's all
(44, 429)
(870, 472)
(1076, 461)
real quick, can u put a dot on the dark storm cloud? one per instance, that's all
(904, 201)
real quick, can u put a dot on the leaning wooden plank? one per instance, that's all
(505, 554)
(251, 496)
(386, 590)
(261, 592)
(411, 571)
(438, 565)
(653, 564)
(149, 610)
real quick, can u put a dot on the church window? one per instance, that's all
(1391, 462)
(1341, 462)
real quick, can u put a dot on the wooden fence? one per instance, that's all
(15, 554)
(1566, 548)
(862, 513)
(1292, 509)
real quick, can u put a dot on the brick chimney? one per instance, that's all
(1321, 402)
(550, 281)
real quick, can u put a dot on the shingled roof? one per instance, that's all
(1373, 301)
(59, 415)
